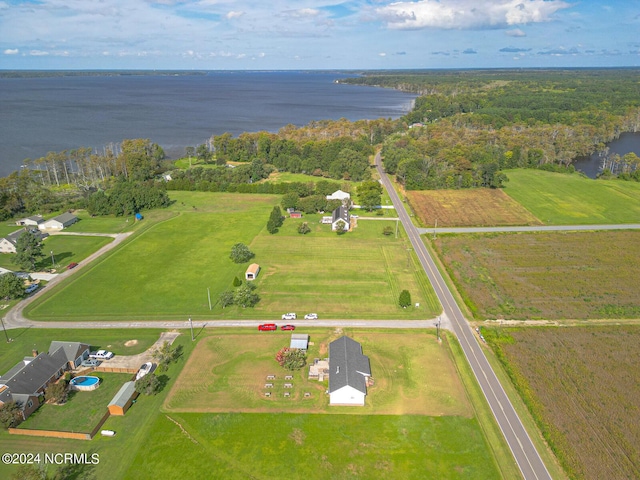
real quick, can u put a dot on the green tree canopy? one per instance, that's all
(11, 286)
(28, 251)
(240, 253)
(148, 385)
(405, 299)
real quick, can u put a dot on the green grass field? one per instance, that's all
(227, 372)
(165, 270)
(560, 199)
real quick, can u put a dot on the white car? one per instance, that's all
(311, 316)
(101, 355)
(289, 316)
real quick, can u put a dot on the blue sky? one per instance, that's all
(309, 34)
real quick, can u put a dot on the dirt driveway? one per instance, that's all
(133, 362)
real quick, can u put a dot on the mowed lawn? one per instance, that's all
(468, 208)
(82, 411)
(227, 373)
(578, 275)
(66, 249)
(561, 199)
(164, 272)
(355, 275)
(267, 446)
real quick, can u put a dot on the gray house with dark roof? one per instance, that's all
(26, 382)
(349, 371)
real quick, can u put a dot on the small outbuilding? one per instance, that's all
(339, 195)
(299, 341)
(252, 272)
(123, 399)
(60, 222)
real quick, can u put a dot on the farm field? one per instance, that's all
(237, 366)
(165, 270)
(478, 207)
(561, 199)
(582, 386)
(580, 275)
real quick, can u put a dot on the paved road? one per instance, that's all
(525, 453)
(538, 228)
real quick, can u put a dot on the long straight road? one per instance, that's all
(524, 452)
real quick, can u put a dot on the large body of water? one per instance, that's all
(42, 114)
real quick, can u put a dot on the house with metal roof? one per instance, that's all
(60, 222)
(349, 371)
(34, 221)
(339, 195)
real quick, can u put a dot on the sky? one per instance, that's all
(316, 34)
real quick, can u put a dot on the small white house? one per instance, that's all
(349, 371)
(60, 222)
(32, 221)
(9, 242)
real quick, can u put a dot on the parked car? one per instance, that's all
(72, 265)
(90, 362)
(311, 316)
(31, 288)
(101, 355)
(288, 327)
(289, 316)
(267, 327)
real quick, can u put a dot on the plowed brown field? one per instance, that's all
(468, 208)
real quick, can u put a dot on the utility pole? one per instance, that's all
(191, 327)
(53, 260)
(438, 329)
(397, 220)
(434, 229)
(5, 330)
(209, 296)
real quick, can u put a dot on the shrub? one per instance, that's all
(405, 298)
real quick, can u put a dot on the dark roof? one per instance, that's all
(14, 236)
(29, 378)
(347, 365)
(65, 217)
(340, 213)
(72, 350)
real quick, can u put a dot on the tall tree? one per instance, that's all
(28, 251)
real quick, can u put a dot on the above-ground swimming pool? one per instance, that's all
(85, 383)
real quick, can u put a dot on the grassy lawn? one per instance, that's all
(579, 275)
(237, 367)
(153, 443)
(118, 341)
(82, 411)
(266, 446)
(106, 224)
(560, 199)
(165, 271)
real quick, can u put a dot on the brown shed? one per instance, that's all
(252, 271)
(123, 399)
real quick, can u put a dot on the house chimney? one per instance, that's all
(34, 352)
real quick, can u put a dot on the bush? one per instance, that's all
(148, 385)
(10, 415)
(303, 228)
(57, 392)
(405, 299)
(236, 282)
(291, 358)
(240, 253)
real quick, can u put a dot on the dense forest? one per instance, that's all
(469, 125)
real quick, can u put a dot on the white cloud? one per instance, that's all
(38, 53)
(382, 54)
(516, 32)
(231, 15)
(302, 13)
(11, 51)
(468, 14)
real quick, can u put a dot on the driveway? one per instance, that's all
(133, 362)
